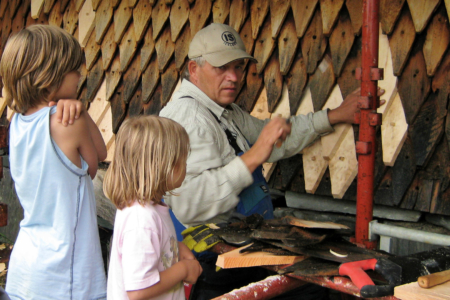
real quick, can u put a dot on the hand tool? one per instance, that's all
(434, 279)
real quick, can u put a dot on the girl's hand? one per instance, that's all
(184, 251)
(67, 110)
(193, 270)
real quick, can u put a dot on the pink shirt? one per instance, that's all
(144, 244)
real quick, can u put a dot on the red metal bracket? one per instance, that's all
(375, 119)
(363, 147)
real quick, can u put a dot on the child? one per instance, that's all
(146, 260)
(57, 253)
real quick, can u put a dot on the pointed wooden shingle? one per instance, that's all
(118, 109)
(108, 47)
(164, 49)
(313, 43)
(296, 80)
(160, 14)
(273, 81)
(3, 5)
(13, 7)
(141, 18)
(330, 13)
(96, 4)
(153, 107)
(421, 12)
(389, 13)
(287, 44)
(92, 52)
(18, 23)
(103, 18)
(436, 42)
(303, 12)
(355, 8)
(70, 18)
(79, 4)
(122, 18)
(198, 15)
(150, 79)
(36, 8)
(55, 17)
(127, 48)
(136, 106)
(278, 12)
(6, 26)
(246, 36)
(238, 13)
(264, 46)
(254, 85)
(113, 76)
(321, 83)
(179, 14)
(169, 80)
(86, 21)
(182, 47)
(130, 79)
(341, 42)
(147, 48)
(258, 12)
(401, 42)
(220, 10)
(94, 80)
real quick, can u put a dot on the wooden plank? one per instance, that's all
(303, 12)
(169, 80)
(234, 259)
(288, 169)
(341, 42)
(238, 13)
(130, 79)
(164, 49)
(421, 11)
(160, 14)
(330, 13)
(127, 48)
(313, 43)
(86, 19)
(179, 14)
(48, 5)
(264, 47)
(141, 18)
(355, 7)
(94, 80)
(113, 76)
(18, 23)
(221, 11)
(147, 48)
(322, 82)
(79, 5)
(246, 36)
(182, 47)
(63, 5)
(440, 79)
(278, 13)
(347, 81)
(92, 52)
(312, 224)
(412, 291)
(99, 106)
(136, 106)
(401, 42)
(122, 18)
(105, 127)
(414, 85)
(389, 13)
(296, 81)
(198, 16)
(150, 79)
(393, 131)
(118, 109)
(332, 141)
(55, 17)
(343, 166)
(258, 12)
(103, 18)
(261, 108)
(287, 44)
(108, 47)
(424, 196)
(36, 8)
(254, 85)
(70, 18)
(273, 81)
(436, 42)
(153, 107)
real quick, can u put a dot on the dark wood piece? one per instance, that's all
(147, 48)
(287, 44)
(296, 80)
(169, 80)
(355, 7)
(150, 79)
(154, 106)
(264, 46)
(122, 18)
(179, 14)
(94, 80)
(347, 81)
(141, 18)
(273, 81)
(164, 49)
(330, 13)
(136, 106)
(278, 12)
(113, 76)
(108, 47)
(160, 14)
(303, 12)
(313, 43)
(258, 12)
(401, 42)
(118, 109)
(127, 48)
(322, 83)
(91, 51)
(103, 19)
(341, 42)
(131, 79)
(389, 13)
(182, 47)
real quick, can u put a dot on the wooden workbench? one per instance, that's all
(412, 291)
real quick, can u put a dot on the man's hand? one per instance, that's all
(345, 113)
(68, 110)
(200, 238)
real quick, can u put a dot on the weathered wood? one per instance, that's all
(436, 42)
(447, 128)
(410, 198)
(92, 52)
(401, 42)
(426, 131)
(154, 106)
(282, 108)
(147, 48)
(421, 12)
(330, 13)
(258, 12)
(79, 4)
(55, 17)
(132, 3)
(296, 81)
(131, 78)
(127, 48)
(303, 12)
(141, 18)
(169, 80)
(13, 7)
(87, 22)
(160, 14)
(6, 26)
(347, 81)
(278, 13)
(313, 43)
(341, 42)
(3, 5)
(238, 13)
(36, 8)
(103, 18)
(18, 23)
(414, 84)
(322, 82)
(113, 76)
(94, 80)
(246, 36)
(220, 10)
(355, 8)
(287, 45)
(179, 14)
(150, 79)
(96, 4)
(254, 85)
(264, 47)
(164, 49)
(289, 168)
(441, 77)
(424, 196)
(108, 47)
(118, 109)
(198, 15)
(182, 47)
(122, 18)
(273, 81)
(438, 168)
(83, 76)
(136, 106)
(389, 13)
(70, 18)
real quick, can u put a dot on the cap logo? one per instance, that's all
(229, 39)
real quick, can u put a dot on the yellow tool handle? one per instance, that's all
(431, 280)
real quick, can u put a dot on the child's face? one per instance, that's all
(178, 176)
(68, 88)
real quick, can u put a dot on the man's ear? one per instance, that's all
(192, 67)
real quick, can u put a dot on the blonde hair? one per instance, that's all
(148, 150)
(34, 63)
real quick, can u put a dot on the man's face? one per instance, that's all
(221, 84)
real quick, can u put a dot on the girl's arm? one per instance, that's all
(185, 270)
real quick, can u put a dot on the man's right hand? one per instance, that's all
(67, 110)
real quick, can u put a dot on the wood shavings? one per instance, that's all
(338, 254)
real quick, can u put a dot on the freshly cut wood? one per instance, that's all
(434, 279)
(313, 224)
(412, 291)
(234, 259)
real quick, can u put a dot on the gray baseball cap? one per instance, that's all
(219, 44)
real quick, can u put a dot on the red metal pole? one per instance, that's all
(368, 103)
